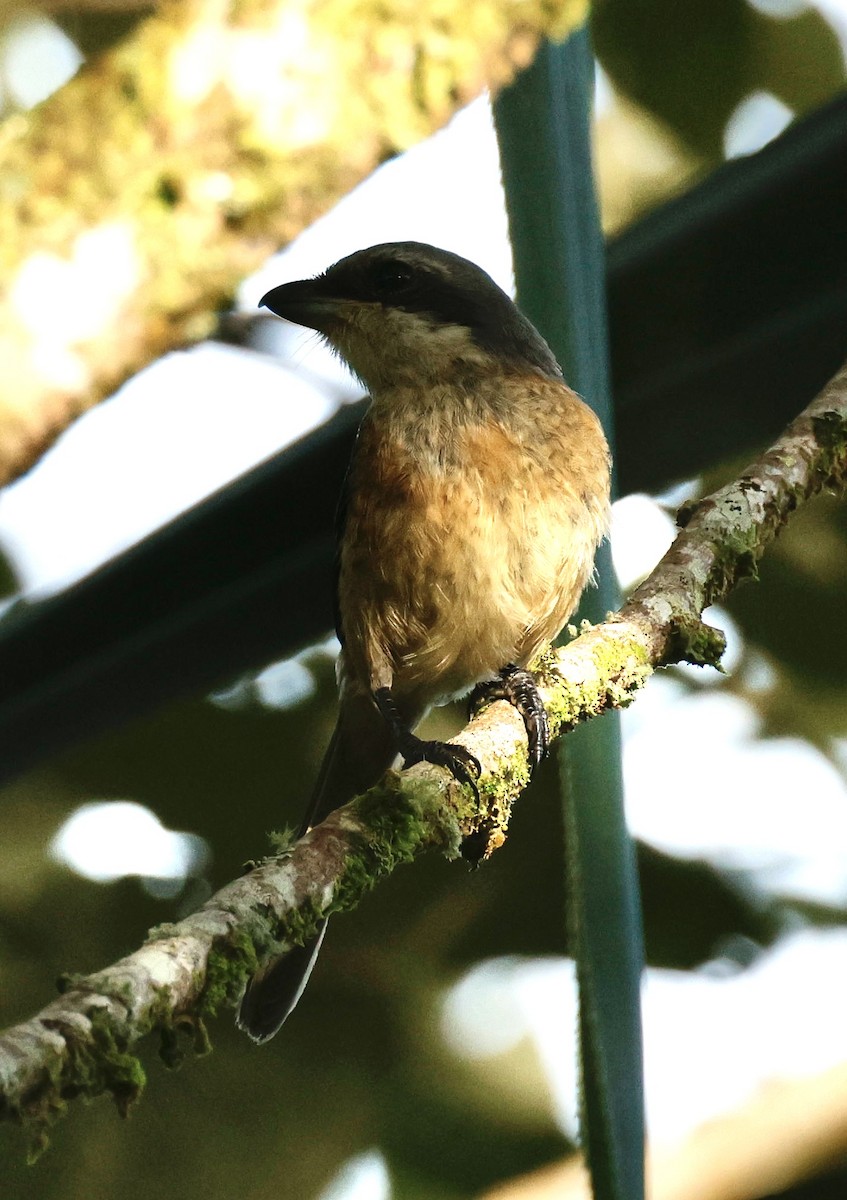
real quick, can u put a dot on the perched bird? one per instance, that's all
(477, 494)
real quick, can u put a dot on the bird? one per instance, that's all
(476, 496)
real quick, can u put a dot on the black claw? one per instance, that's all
(518, 686)
(463, 766)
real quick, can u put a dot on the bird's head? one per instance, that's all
(407, 313)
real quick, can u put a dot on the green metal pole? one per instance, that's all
(543, 127)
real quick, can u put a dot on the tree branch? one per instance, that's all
(136, 199)
(81, 1042)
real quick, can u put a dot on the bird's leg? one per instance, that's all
(518, 686)
(463, 765)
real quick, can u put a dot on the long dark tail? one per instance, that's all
(272, 994)
(360, 751)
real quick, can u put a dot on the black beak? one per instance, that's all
(303, 302)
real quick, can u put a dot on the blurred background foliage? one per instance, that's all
(364, 1063)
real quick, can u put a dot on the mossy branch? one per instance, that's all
(81, 1043)
(135, 200)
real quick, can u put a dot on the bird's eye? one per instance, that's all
(389, 278)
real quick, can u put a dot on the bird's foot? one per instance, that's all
(462, 765)
(518, 686)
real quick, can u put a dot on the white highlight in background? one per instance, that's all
(111, 839)
(780, 10)
(781, 1018)
(36, 58)
(281, 685)
(757, 120)
(364, 1177)
(175, 433)
(641, 533)
(701, 783)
